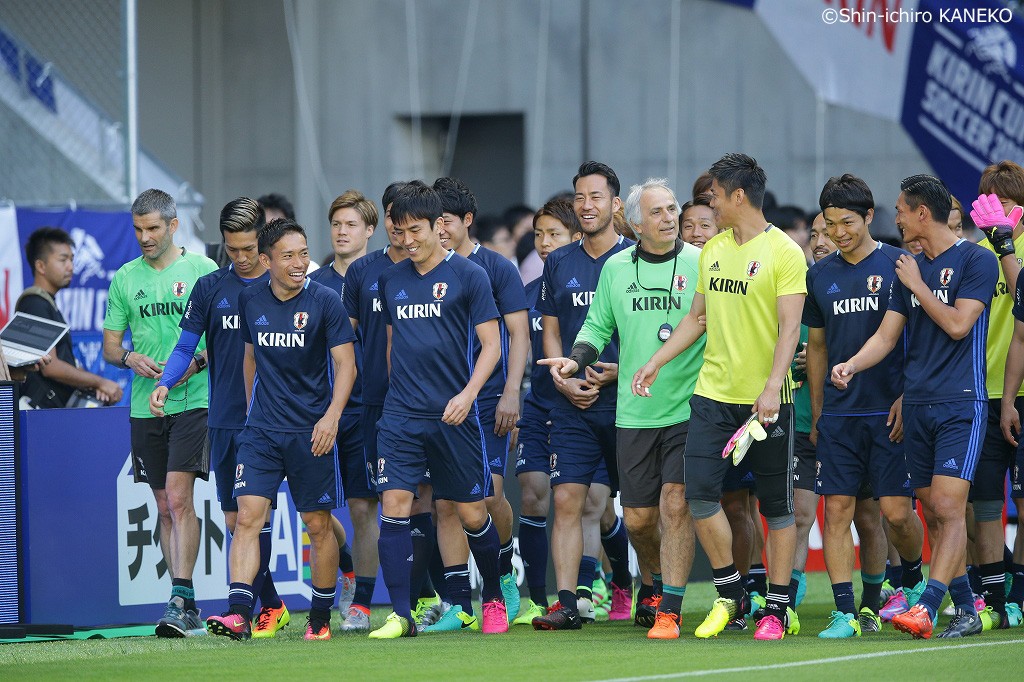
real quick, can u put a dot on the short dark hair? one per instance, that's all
(597, 168)
(273, 231)
(930, 191)
(41, 242)
(456, 198)
(698, 200)
(390, 191)
(278, 201)
(242, 215)
(416, 201)
(738, 171)
(560, 208)
(849, 192)
(486, 226)
(155, 201)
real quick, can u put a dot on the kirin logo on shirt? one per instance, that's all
(300, 319)
(679, 283)
(752, 268)
(874, 283)
(945, 276)
(439, 290)
(179, 289)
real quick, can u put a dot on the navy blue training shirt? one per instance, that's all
(433, 319)
(363, 305)
(542, 388)
(938, 368)
(329, 277)
(213, 309)
(292, 341)
(509, 297)
(567, 288)
(849, 302)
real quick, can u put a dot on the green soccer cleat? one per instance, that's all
(427, 611)
(913, 594)
(792, 621)
(869, 620)
(757, 602)
(990, 619)
(722, 611)
(600, 591)
(841, 626)
(454, 619)
(887, 591)
(395, 627)
(527, 614)
(510, 592)
(801, 589)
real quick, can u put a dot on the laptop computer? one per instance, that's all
(26, 338)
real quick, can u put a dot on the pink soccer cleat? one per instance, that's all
(769, 628)
(495, 617)
(894, 606)
(622, 604)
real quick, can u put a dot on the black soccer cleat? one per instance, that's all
(559, 619)
(963, 624)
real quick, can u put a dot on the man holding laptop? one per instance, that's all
(51, 258)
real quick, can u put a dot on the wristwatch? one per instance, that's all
(124, 358)
(200, 362)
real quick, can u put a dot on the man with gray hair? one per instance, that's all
(642, 294)
(148, 295)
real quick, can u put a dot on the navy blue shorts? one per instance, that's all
(533, 452)
(368, 422)
(495, 446)
(583, 447)
(997, 458)
(223, 458)
(805, 461)
(355, 477)
(856, 449)
(266, 457)
(943, 439)
(407, 447)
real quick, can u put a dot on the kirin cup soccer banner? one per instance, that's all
(952, 73)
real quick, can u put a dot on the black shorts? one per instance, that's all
(176, 442)
(804, 462)
(647, 459)
(712, 424)
(997, 458)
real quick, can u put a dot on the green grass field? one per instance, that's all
(604, 651)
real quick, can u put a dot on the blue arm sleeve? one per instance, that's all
(180, 358)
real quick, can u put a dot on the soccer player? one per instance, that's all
(436, 304)
(941, 297)
(148, 295)
(212, 310)
(1004, 180)
(857, 431)
(298, 368)
(583, 416)
(50, 255)
(352, 218)
(698, 222)
(499, 398)
(751, 288)
(641, 295)
(555, 225)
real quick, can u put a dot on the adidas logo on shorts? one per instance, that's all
(496, 462)
(633, 289)
(141, 295)
(950, 464)
(324, 499)
(475, 490)
(779, 431)
(223, 304)
(834, 289)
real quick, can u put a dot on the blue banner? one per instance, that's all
(964, 99)
(104, 241)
